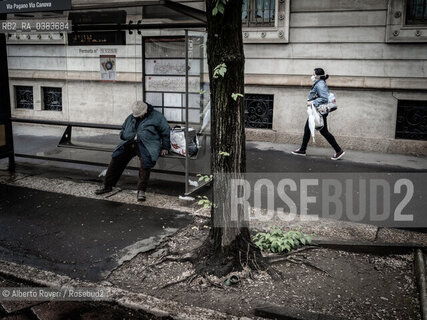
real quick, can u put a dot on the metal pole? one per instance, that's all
(187, 141)
(5, 107)
(143, 68)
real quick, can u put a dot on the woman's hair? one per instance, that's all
(320, 72)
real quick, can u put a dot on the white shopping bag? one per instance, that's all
(311, 124)
(318, 119)
(177, 137)
(315, 120)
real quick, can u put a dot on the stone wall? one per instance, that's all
(346, 38)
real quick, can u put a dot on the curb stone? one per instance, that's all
(369, 247)
(420, 273)
(136, 301)
(273, 311)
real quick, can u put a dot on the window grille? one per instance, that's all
(259, 111)
(258, 13)
(52, 99)
(24, 97)
(411, 120)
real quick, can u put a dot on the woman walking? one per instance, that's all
(319, 95)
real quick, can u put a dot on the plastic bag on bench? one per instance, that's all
(177, 137)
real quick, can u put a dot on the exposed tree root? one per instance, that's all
(220, 262)
(242, 255)
(300, 261)
(284, 256)
(189, 278)
(187, 257)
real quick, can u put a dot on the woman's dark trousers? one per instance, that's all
(324, 132)
(119, 163)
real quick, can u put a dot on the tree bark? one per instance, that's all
(229, 245)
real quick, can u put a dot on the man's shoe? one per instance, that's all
(298, 153)
(338, 155)
(104, 190)
(141, 195)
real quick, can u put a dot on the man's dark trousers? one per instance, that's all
(119, 163)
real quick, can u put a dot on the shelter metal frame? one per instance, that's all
(200, 22)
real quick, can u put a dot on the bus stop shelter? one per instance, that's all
(79, 65)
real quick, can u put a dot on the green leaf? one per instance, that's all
(200, 202)
(214, 11)
(220, 69)
(221, 8)
(236, 95)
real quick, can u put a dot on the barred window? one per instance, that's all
(416, 12)
(258, 13)
(52, 99)
(411, 120)
(259, 111)
(24, 97)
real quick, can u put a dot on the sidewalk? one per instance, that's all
(319, 158)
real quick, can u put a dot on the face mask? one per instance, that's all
(313, 78)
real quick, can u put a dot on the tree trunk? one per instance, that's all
(229, 246)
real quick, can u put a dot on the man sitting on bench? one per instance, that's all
(145, 133)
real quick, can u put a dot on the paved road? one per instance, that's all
(80, 237)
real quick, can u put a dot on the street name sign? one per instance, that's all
(19, 6)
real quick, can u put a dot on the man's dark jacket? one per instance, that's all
(153, 133)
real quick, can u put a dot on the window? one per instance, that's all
(411, 120)
(265, 21)
(258, 13)
(406, 21)
(24, 97)
(52, 99)
(416, 12)
(259, 111)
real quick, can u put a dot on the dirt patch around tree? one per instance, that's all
(349, 285)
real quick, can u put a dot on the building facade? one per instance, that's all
(375, 53)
